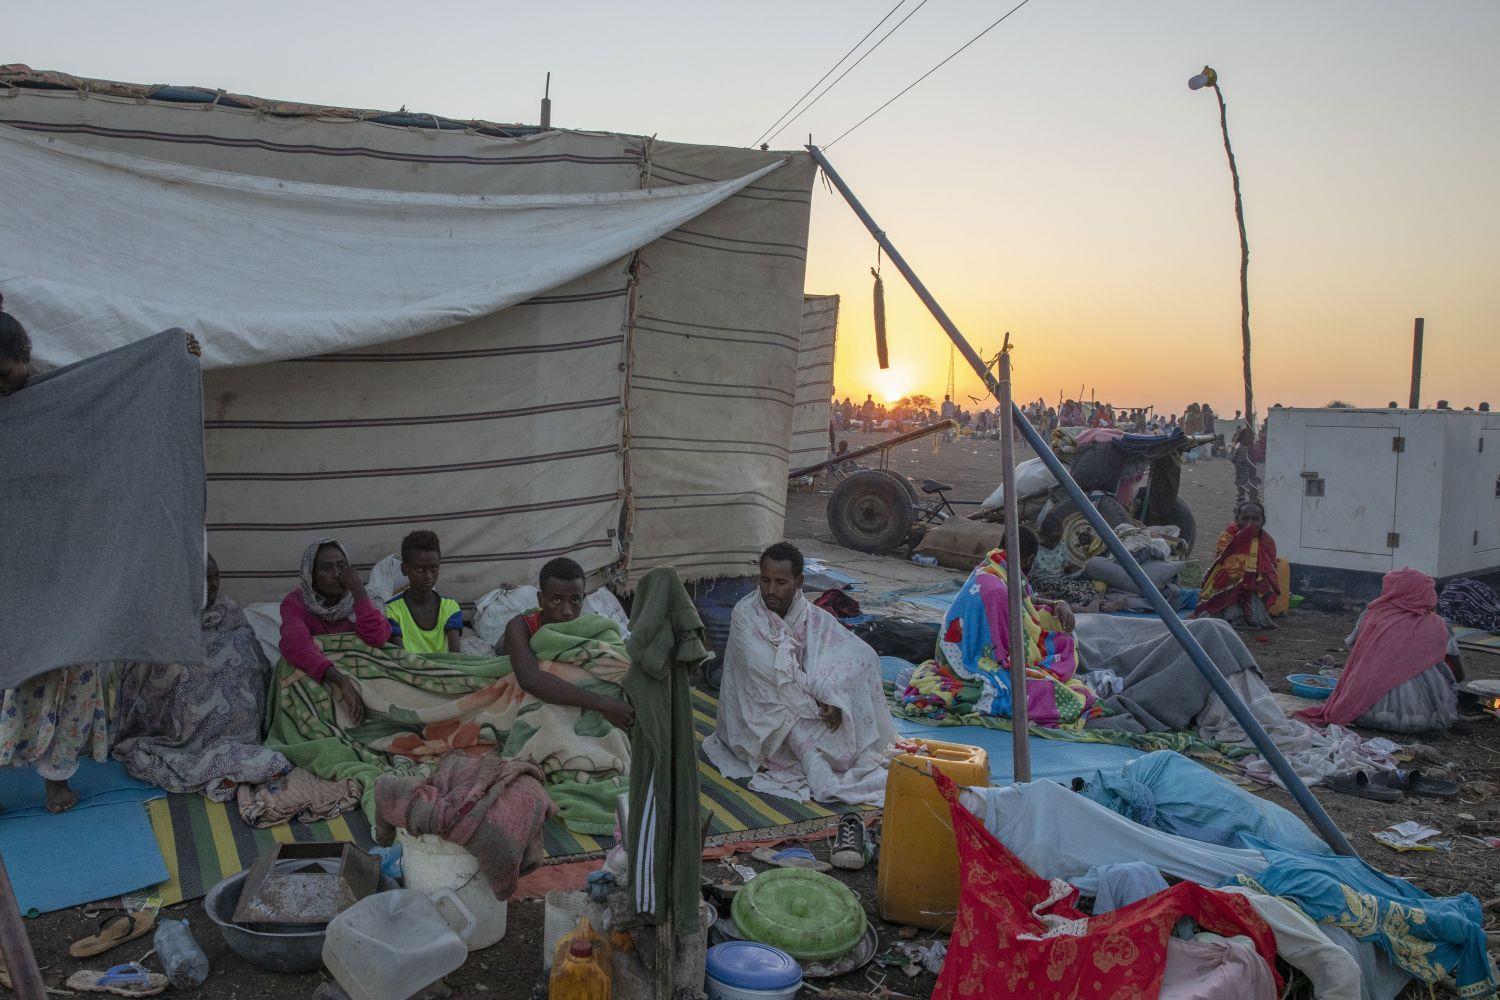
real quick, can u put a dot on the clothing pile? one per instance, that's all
(1355, 932)
(492, 807)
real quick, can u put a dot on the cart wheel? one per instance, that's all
(1080, 540)
(871, 511)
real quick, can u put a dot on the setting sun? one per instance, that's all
(891, 384)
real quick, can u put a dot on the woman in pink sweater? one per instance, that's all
(331, 600)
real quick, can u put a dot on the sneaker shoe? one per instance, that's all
(850, 845)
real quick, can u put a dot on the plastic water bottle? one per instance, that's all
(180, 954)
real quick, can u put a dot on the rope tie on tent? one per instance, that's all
(646, 151)
(881, 351)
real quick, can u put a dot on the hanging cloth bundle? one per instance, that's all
(880, 348)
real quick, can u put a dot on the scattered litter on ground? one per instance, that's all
(1412, 836)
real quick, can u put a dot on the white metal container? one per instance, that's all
(1368, 491)
(430, 864)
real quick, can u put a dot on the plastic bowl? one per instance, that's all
(1313, 686)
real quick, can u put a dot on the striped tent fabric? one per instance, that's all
(811, 412)
(635, 416)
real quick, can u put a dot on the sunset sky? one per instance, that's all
(1057, 180)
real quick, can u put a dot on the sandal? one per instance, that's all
(130, 980)
(1414, 782)
(1358, 783)
(114, 930)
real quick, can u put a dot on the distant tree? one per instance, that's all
(915, 404)
(1339, 404)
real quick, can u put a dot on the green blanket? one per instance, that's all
(419, 708)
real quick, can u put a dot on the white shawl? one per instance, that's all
(775, 673)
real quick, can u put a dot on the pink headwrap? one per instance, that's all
(1399, 637)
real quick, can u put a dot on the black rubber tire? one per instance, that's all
(1080, 541)
(1187, 524)
(871, 511)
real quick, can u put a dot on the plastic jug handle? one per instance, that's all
(470, 924)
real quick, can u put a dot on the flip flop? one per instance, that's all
(1358, 783)
(791, 857)
(1414, 782)
(114, 930)
(130, 980)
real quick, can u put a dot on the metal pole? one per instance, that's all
(850, 456)
(1242, 714)
(1019, 726)
(1416, 364)
(16, 946)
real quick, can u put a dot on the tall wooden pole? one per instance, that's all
(1415, 402)
(20, 961)
(1239, 217)
(1019, 725)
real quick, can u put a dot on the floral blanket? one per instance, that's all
(421, 707)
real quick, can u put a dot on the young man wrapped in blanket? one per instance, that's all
(553, 701)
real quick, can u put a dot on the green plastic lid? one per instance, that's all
(805, 913)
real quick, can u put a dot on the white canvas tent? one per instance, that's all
(811, 411)
(533, 342)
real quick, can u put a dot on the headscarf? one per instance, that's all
(1400, 636)
(311, 599)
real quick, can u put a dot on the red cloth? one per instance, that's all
(1245, 564)
(1399, 637)
(1019, 935)
(298, 626)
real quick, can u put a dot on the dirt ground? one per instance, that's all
(512, 968)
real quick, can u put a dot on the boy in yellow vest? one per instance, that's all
(422, 620)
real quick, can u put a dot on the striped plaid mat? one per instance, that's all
(203, 842)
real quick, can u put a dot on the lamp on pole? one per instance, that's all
(1209, 78)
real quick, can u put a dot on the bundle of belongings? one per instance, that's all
(1250, 879)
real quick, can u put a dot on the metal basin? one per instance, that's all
(274, 947)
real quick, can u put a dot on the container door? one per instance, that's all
(1488, 522)
(1349, 489)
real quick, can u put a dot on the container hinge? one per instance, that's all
(1393, 540)
(1476, 536)
(1398, 444)
(1481, 444)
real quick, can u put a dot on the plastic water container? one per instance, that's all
(560, 914)
(392, 945)
(432, 865)
(747, 970)
(180, 954)
(917, 882)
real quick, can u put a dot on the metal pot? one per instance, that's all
(274, 947)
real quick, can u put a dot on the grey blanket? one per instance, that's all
(101, 484)
(1163, 689)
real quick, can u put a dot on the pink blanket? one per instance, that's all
(1399, 637)
(492, 807)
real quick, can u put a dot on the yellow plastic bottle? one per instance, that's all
(580, 966)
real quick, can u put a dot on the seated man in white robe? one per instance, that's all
(801, 710)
